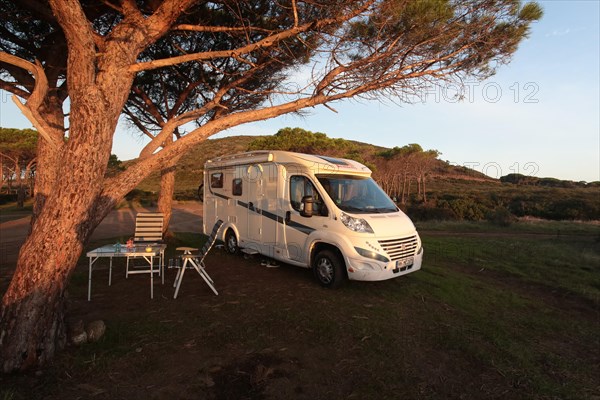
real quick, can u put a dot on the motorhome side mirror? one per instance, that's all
(307, 209)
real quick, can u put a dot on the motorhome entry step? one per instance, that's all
(249, 251)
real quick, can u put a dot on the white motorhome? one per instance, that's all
(312, 211)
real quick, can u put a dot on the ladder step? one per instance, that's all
(249, 251)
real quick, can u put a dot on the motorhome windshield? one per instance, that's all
(356, 194)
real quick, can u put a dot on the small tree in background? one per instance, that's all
(18, 154)
(303, 141)
(424, 163)
(402, 165)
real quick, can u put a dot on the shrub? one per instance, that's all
(186, 195)
(500, 217)
(142, 197)
(430, 212)
(8, 198)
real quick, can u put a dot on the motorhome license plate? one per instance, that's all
(404, 262)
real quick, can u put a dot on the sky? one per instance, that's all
(537, 116)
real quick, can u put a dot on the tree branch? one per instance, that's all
(209, 55)
(12, 88)
(267, 42)
(192, 115)
(150, 106)
(36, 98)
(215, 29)
(135, 120)
(80, 39)
(22, 77)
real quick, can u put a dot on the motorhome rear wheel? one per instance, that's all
(231, 242)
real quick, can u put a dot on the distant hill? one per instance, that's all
(450, 192)
(190, 167)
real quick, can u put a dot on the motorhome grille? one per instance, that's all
(400, 248)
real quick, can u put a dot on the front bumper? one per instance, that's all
(364, 269)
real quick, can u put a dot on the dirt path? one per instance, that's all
(187, 217)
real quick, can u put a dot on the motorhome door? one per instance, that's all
(262, 206)
(298, 227)
(254, 195)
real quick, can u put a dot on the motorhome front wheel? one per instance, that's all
(329, 269)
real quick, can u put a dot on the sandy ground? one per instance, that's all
(187, 217)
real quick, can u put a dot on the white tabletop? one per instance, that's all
(110, 250)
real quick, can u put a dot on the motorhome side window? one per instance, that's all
(236, 188)
(216, 180)
(301, 186)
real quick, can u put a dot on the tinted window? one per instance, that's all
(236, 188)
(301, 186)
(216, 180)
(356, 194)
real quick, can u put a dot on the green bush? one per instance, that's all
(186, 195)
(8, 198)
(501, 216)
(142, 197)
(468, 209)
(430, 212)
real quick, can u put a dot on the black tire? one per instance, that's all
(231, 243)
(329, 269)
(201, 193)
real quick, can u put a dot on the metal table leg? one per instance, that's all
(92, 261)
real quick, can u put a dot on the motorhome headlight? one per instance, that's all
(371, 254)
(356, 224)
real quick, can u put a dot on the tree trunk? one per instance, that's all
(423, 188)
(20, 195)
(167, 188)
(48, 158)
(19, 182)
(2, 178)
(30, 175)
(32, 319)
(404, 178)
(32, 308)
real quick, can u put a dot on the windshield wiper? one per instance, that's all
(351, 208)
(383, 210)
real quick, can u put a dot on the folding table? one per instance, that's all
(147, 252)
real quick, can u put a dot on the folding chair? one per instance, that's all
(197, 261)
(148, 230)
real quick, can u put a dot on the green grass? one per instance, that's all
(489, 316)
(533, 226)
(12, 207)
(511, 320)
(493, 328)
(10, 211)
(7, 394)
(566, 263)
